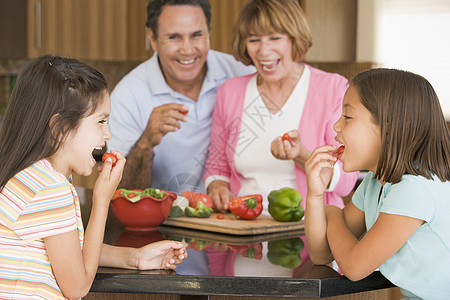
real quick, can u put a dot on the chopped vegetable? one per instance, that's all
(246, 207)
(178, 207)
(176, 212)
(201, 211)
(137, 194)
(195, 198)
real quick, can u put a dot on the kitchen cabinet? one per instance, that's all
(109, 30)
(51, 27)
(114, 30)
(224, 15)
(12, 29)
(333, 29)
(84, 29)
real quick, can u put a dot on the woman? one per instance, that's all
(247, 154)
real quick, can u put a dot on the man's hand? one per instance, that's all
(164, 119)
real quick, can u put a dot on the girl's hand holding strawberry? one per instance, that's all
(109, 176)
(319, 170)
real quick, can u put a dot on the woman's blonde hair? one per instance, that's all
(414, 135)
(271, 16)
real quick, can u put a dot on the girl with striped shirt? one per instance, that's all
(57, 115)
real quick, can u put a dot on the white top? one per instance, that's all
(259, 171)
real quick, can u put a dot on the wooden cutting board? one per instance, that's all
(178, 232)
(231, 225)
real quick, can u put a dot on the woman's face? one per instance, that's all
(357, 131)
(272, 55)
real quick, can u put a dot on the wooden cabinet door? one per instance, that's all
(51, 27)
(83, 29)
(101, 29)
(139, 48)
(13, 29)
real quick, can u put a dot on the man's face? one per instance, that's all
(182, 44)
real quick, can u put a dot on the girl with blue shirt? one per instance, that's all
(391, 125)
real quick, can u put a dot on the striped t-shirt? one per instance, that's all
(36, 203)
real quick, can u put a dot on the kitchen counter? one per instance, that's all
(265, 265)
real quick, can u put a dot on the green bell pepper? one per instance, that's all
(201, 211)
(286, 253)
(284, 205)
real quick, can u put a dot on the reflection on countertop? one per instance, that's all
(274, 265)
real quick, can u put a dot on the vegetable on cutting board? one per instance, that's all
(178, 207)
(195, 198)
(284, 205)
(246, 207)
(201, 211)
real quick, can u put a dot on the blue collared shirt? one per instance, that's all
(179, 159)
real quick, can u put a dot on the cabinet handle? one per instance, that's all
(38, 24)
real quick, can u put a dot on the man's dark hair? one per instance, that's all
(154, 9)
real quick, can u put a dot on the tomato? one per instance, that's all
(117, 193)
(131, 195)
(184, 112)
(194, 198)
(286, 137)
(110, 155)
(220, 216)
(340, 150)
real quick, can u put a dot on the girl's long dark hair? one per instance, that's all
(414, 135)
(51, 96)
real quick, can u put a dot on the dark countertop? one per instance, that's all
(226, 265)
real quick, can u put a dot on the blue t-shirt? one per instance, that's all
(422, 265)
(179, 159)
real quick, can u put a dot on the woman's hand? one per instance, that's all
(219, 192)
(290, 148)
(319, 170)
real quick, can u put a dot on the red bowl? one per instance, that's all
(145, 214)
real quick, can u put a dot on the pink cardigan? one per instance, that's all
(322, 109)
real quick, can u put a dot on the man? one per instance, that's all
(161, 110)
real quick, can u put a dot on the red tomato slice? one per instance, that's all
(286, 137)
(117, 193)
(194, 198)
(340, 150)
(110, 155)
(184, 112)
